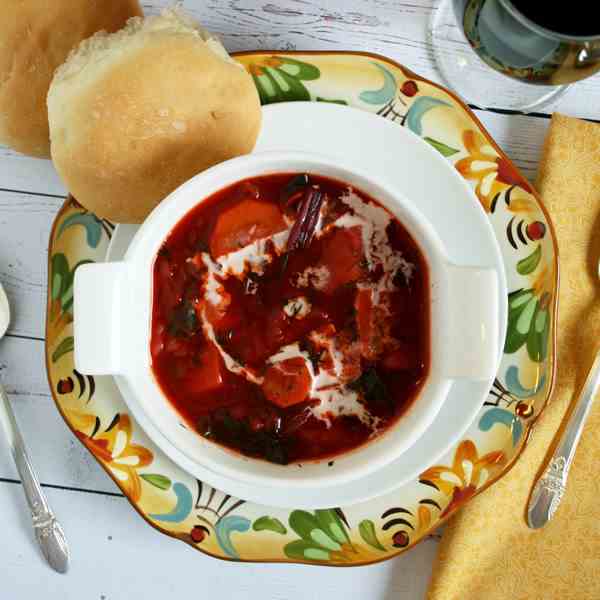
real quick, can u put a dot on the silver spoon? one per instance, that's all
(48, 531)
(551, 486)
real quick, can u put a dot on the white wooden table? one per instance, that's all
(115, 555)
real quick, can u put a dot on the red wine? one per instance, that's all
(579, 20)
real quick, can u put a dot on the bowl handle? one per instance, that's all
(471, 319)
(97, 306)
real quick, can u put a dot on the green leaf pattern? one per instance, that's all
(63, 348)
(267, 523)
(61, 281)
(528, 322)
(442, 148)
(529, 263)
(367, 531)
(160, 481)
(281, 79)
(322, 533)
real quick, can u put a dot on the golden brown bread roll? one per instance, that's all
(136, 113)
(35, 38)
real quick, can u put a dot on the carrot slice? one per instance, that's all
(342, 255)
(287, 382)
(244, 223)
(208, 376)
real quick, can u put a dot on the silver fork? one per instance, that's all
(551, 486)
(48, 532)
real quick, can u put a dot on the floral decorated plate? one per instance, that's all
(226, 527)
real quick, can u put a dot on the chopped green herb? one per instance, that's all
(264, 444)
(400, 280)
(315, 355)
(184, 321)
(373, 389)
(277, 454)
(284, 263)
(202, 246)
(231, 424)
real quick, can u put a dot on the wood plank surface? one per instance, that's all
(115, 554)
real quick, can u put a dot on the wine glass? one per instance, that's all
(535, 50)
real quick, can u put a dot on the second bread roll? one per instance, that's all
(136, 113)
(35, 38)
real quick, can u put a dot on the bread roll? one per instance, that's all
(35, 38)
(136, 113)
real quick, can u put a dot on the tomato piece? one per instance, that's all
(287, 382)
(244, 223)
(342, 254)
(208, 376)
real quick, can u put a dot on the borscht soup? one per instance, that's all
(290, 318)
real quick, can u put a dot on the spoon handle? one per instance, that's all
(551, 486)
(48, 531)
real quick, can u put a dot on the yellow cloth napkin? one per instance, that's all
(487, 551)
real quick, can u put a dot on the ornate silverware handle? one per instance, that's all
(48, 531)
(551, 486)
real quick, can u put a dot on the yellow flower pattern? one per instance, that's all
(466, 475)
(115, 449)
(492, 173)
